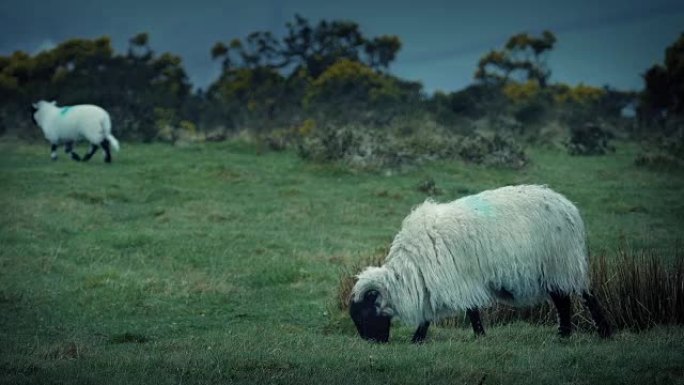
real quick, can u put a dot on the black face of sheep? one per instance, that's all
(371, 324)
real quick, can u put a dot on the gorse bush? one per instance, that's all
(638, 290)
(349, 82)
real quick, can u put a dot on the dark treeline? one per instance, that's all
(322, 75)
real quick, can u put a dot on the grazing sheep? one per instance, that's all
(69, 124)
(518, 245)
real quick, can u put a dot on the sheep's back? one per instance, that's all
(84, 120)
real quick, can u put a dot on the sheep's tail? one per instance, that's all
(107, 126)
(112, 140)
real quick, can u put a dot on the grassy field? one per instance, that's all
(211, 264)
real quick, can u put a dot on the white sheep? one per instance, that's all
(518, 245)
(71, 123)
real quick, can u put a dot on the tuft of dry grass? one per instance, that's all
(637, 289)
(64, 351)
(640, 289)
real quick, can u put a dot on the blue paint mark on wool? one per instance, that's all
(480, 205)
(64, 110)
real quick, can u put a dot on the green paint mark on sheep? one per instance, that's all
(480, 205)
(64, 110)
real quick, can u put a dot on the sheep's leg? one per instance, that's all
(564, 308)
(421, 332)
(69, 149)
(596, 311)
(474, 316)
(53, 151)
(91, 152)
(105, 147)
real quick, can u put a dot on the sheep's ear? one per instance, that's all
(53, 102)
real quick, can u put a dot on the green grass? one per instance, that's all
(211, 264)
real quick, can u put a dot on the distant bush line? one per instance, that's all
(332, 74)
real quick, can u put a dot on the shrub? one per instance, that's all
(492, 150)
(589, 139)
(473, 102)
(666, 152)
(355, 146)
(332, 144)
(429, 186)
(278, 140)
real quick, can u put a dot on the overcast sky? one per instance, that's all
(599, 42)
